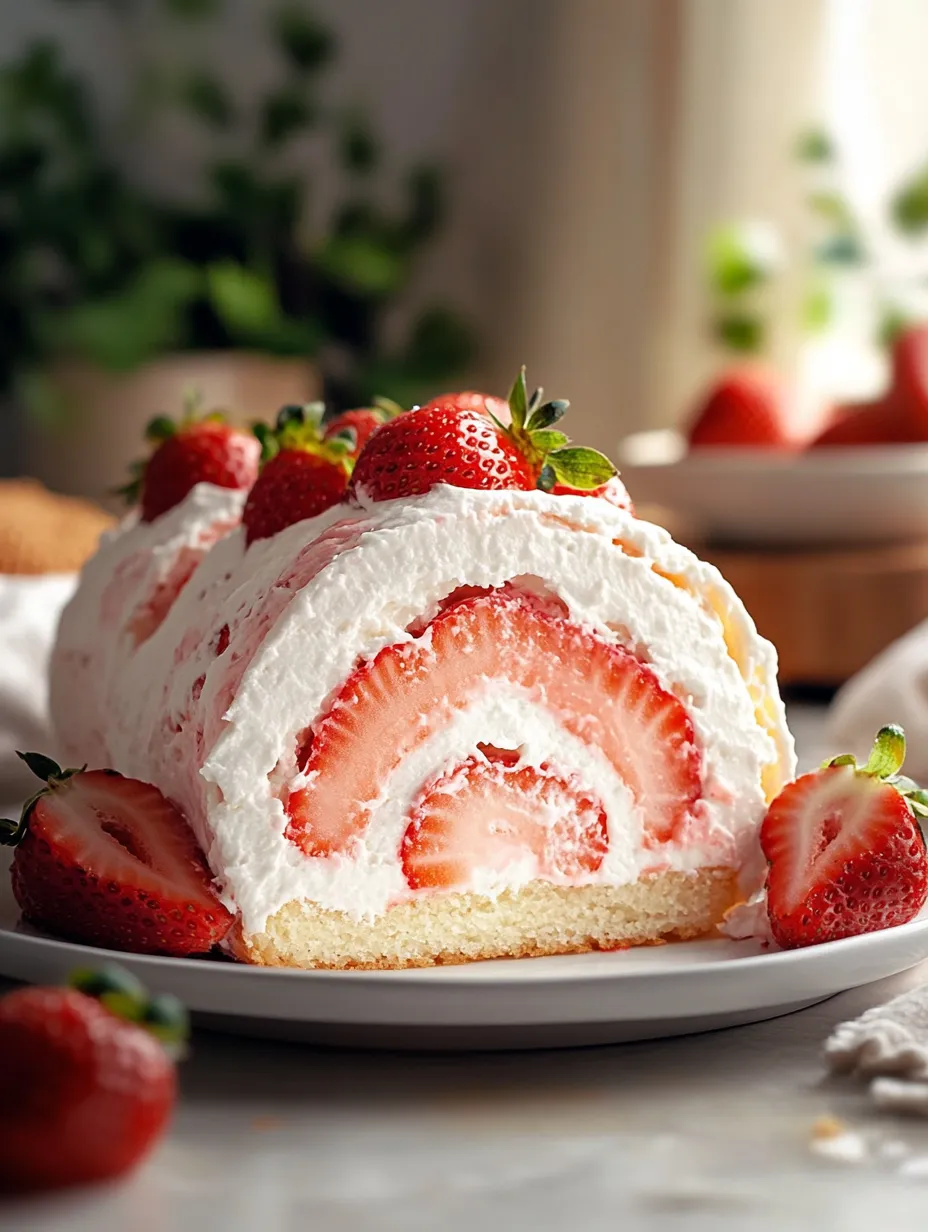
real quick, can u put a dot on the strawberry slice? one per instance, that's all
(393, 703)
(108, 861)
(488, 814)
(845, 852)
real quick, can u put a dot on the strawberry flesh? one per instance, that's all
(391, 704)
(487, 814)
(845, 855)
(109, 861)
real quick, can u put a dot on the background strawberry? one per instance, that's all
(87, 1080)
(882, 422)
(362, 423)
(844, 849)
(746, 408)
(910, 377)
(108, 861)
(304, 473)
(470, 400)
(206, 450)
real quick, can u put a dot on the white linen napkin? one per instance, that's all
(29, 610)
(889, 1046)
(893, 688)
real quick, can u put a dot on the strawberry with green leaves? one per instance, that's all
(844, 848)
(87, 1079)
(466, 448)
(304, 471)
(363, 422)
(202, 449)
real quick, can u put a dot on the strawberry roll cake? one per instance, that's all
(459, 704)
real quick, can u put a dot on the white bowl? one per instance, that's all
(851, 495)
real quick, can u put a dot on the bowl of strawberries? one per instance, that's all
(742, 473)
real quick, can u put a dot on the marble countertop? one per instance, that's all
(704, 1134)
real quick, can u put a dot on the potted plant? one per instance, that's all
(115, 296)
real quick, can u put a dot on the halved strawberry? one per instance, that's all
(108, 861)
(485, 814)
(392, 703)
(845, 851)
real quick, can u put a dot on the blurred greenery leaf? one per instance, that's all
(193, 9)
(207, 99)
(357, 147)
(818, 309)
(122, 331)
(246, 302)
(740, 331)
(840, 250)
(834, 209)
(305, 42)
(440, 344)
(362, 265)
(425, 211)
(909, 207)
(741, 257)
(815, 145)
(283, 114)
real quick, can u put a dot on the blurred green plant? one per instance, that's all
(93, 265)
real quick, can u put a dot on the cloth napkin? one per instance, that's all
(29, 610)
(889, 1046)
(893, 688)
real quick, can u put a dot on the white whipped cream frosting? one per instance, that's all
(292, 615)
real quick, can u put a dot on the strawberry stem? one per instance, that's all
(888, 752)
(126, 997)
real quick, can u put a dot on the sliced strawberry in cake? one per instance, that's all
(597, 691)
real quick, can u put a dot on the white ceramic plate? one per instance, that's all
(825, 496)
(526, 1003)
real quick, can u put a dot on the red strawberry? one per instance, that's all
(910, 377)
(392, 703)
(883, 422)
(468, 400)
(87, 1085)
(844, 849)
(302, 476)
(744, 408)
(487, 814)
(614, 491)
(443, 443)
(363, 422)
(197, 451)
(108, 861)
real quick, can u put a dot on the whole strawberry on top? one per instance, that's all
(197, 450)
(108, 861)
(303, 472)
(745, 408)
(844, 848)
(87, 1079)
(466, 448)
(362, 423)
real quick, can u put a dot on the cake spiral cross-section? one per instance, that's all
(464, 724)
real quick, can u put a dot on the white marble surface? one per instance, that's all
(709, 1133)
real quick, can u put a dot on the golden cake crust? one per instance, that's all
(42, 532)
(540, 919)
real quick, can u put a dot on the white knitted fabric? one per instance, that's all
(889, 1046)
